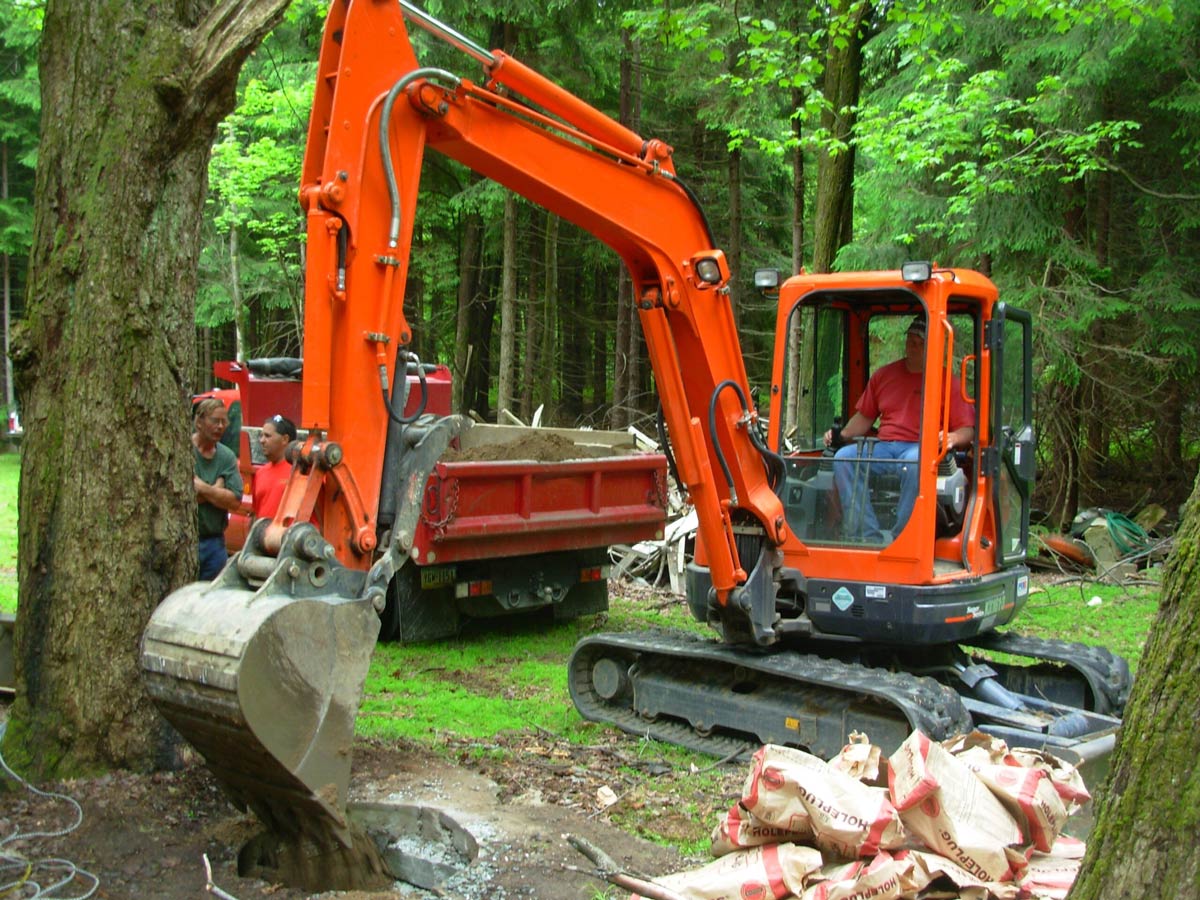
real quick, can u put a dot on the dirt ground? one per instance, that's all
(145, 836)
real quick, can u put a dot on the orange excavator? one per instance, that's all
(823, 628)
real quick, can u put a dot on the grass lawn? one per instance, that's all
(10, 471)
(1120, 620)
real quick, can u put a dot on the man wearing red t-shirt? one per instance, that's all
(270, 479)
(893, 397)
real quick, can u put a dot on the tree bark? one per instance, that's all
(622, 388)
(795, 337)
(468, 275)
(832, 227)
(481, 323)
(601, 312)
(131, 97)
(531, 319)
(1144, 840)
(9, 393)
(735, 234)
(546, 350)
(573, 356)
(508, 307)
(235, 293)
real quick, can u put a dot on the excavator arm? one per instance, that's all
(375, 114)
(263, 669)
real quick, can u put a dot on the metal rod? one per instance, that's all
(445, 32)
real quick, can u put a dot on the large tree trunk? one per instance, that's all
(131, 96)
(795, 337)
(734, 172)
(531, 320)
(481, 323)
(546, 348)
(626, 326)
(1144, 841)
(10, 395)
(573, 357)
(835, 170)
(623, 387)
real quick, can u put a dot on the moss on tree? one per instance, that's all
(1144, 842)
(107, 511)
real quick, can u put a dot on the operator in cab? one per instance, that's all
(271, 478)
(217, 483)
(893, 399)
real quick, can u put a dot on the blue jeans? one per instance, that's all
(213, 556)
(852, 479)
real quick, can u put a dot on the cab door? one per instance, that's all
(1013, 448)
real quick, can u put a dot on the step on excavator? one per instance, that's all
(824, 627)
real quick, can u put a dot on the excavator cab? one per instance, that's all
(929, 517)
(827, 493)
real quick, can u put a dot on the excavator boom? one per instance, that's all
(262, 670)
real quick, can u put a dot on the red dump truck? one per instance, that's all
(512, 519)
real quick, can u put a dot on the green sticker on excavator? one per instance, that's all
(843, 599)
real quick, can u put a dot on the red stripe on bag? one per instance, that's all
(774, 871)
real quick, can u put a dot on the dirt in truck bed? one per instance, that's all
(145, 836)
(537, 446)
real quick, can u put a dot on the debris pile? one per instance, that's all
(1107, 544)
(966, 818)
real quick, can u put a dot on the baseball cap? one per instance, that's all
(917, 327)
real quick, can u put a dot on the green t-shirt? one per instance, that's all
(211, 519)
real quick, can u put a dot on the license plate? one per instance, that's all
(436, 577)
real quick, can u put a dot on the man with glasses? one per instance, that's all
(217, 483)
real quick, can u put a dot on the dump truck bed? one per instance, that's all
(482, 509)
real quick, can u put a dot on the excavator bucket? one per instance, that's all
(265, 683)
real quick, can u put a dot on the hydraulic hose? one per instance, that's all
(400, 386)
(660, 424)
(385, 149)
(772, 461)
(1127, 534)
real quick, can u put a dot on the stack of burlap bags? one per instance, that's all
(966, 818)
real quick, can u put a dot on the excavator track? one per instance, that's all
(715, 698)
(1106, 675)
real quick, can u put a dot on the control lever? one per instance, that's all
(835, 434)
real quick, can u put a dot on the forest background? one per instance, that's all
(1053, 146)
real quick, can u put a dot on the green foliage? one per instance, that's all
(1050, 145)
(20, 103)
(253, 181)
